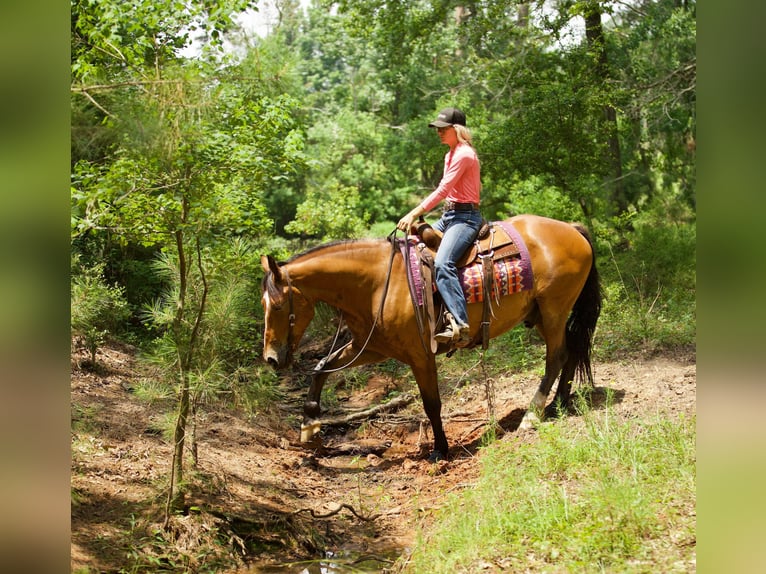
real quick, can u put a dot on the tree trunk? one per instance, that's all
(594, 33)
(194, 448)
(522, 22)
(177, 491)
(522, 15)
(176, 494)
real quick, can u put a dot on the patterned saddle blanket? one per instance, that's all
(511, 265)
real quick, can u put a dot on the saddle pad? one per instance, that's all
(509, 279)
(512, 275)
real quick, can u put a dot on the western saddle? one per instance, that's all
(492, 244)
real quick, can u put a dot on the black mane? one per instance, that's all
(323, 246)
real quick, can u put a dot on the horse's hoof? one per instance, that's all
(309, 430)
(556, 410)
(530, 421)
(436, 456)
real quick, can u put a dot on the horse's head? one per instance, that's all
(287, 313)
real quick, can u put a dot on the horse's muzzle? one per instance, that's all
(278, 359)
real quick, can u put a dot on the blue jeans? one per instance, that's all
(460, 229)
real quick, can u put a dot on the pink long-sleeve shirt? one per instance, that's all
(461, 181)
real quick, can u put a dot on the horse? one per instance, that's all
(366, 280)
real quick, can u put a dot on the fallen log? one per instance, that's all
(396, 403)
(310, 429)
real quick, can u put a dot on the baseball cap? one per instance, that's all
(448, 117)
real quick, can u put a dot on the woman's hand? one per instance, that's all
(405, 223)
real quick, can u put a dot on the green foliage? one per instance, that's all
(136, 35)
(655, 59)
(650, 286)
(535, 195)
(349, 149)
(210, 165)
(225, 366)
(98, 309)
(613, 495)
(331, 215)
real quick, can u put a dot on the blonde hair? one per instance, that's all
(463, 134)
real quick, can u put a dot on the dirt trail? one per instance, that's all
(266, 491)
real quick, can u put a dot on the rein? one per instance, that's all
(334, 353)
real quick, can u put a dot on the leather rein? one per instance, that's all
(319, 368)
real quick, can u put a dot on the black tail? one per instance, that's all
(582, 321)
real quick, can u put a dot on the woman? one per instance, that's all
(460, 187)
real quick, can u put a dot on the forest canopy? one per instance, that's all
(580, 110)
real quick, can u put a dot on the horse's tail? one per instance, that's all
(582, 321)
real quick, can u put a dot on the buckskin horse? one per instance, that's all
(367, 282)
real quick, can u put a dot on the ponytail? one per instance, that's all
(463, 134)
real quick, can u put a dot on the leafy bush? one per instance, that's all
(536, 195)
(334, 215)
(97, 308)
(228, 343)
(664, 250)
(649, 283)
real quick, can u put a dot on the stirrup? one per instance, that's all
(449, 327)
(452, 332)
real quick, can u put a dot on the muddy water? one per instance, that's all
(369, 555)
(343, 562)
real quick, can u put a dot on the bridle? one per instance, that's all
(319, 368)
(290, 311)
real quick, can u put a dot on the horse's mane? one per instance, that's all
(331, 244)
(275, 294)
(267, 284)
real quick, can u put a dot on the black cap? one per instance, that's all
(448, 117)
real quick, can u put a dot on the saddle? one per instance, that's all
(492, 244)
(492, 240)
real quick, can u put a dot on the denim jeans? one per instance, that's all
(460, 229)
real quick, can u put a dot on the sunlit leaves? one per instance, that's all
(136, 35)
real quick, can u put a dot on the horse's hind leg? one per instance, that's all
(564, 389)
(552, 331)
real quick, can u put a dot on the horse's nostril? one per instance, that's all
(273, 362)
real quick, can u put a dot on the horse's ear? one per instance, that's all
(269, 264)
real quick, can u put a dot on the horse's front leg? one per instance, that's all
(311, 408)
(348, 356)
(427, 379)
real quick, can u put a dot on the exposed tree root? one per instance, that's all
(392, 405)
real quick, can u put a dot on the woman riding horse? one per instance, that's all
(461, 187)
(366, 281)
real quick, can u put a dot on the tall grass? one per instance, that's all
(604, 495)
(649, 284)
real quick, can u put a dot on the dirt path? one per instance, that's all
(264, 490)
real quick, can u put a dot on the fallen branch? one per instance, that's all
(353, 448)
(336, 511)
(393, 404)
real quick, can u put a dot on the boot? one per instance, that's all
(453, 332)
